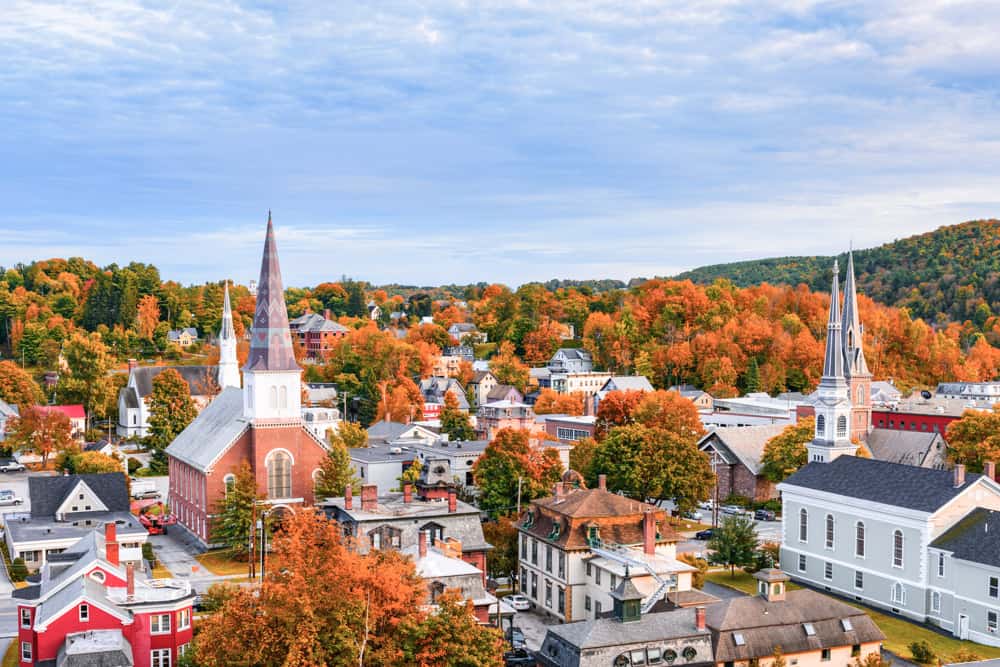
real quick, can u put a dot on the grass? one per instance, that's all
(899, 633)
(11, 658)
(221, 562)
(160, 572)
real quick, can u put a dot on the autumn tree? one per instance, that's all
(581, 459)
(170, 411)
(616, 409)
(235, 511)
(87, 381)
(501, 560)
(454, 422)
(401, 401)
(786, 452)
(335, 472)
(411, 475)
(348, 434)
(95, 462)
(975, 438)
(552, 403)
(39, 431)
(508, 369)
(450, 635)
(148, 316)
(700, 565)
(542, 342)
(669, 411)
(508, 458)
(17, 387)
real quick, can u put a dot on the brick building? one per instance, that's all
(736, 458)
(317, 333)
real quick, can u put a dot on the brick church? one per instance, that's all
(259, 422)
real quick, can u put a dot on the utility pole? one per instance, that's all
(519, 496)
(252, 560)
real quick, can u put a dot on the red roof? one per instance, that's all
(71, 411)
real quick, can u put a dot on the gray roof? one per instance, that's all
(315, 322)
(270, 336)
(197, 378)
(975, 538)
(572, 353)
(922, 489)
(212, 431)
(434, 389)
(380, 454)
(46, 529)
(913, 448)
(629, 383)
(609, 632)
(7, 410)
(48, 493)
(743, 443)
(95, 648)
(174, 334)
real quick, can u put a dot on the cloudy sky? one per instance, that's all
(457, 141)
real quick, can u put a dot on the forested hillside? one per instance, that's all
(950, 274)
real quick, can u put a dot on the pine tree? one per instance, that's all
(751, 379)
(335, 472)
(235, 512)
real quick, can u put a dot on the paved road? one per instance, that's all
(177, 553)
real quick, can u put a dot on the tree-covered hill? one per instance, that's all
(950, 274)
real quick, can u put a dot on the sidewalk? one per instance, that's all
(178, 555)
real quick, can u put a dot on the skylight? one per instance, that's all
(738, 638)
(846, 623)
(810, 630)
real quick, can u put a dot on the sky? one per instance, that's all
(502, 141)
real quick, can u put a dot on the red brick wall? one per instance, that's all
(738, 480)
(910, 421)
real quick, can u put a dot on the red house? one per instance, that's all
(88, 604)
(260, 423)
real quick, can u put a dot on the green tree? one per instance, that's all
(501, 560)
(507, 459)
(751, 379)
(349, 434)
(454, 422)
(30, 346)
(581, 459)
(975, 438)
(786, 452)
(697, 578)
(170, 411)
(87, 380)
(235, 512)
(335, 472)
(411, 474)
(734, 543)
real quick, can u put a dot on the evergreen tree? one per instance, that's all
(170, 411)
(454, 422)
(235, 512)
(751, 379)
(335, 472)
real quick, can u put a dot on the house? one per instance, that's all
(459, 456)
(575, 545)
(922, 449)
(320, 421)
(571, 360)
(92, 607)
(571, 371)
(447, 365)
(569, 428)
(861, 527)
(924, 415)
(810, 628)
(259, 423)
(482, 384)
(497, 415)
(183, 337)
(434, 390)
(754, 409)
(884, 393)
(702, 399)
(67, 508)
(317, 333)
(463, 352)
(76, 415)
(381, 465)
(442, 567)
(504, 392)
(7, 411)
(386, 431)
(321, 394)
(466, 333)
(988, 392)
(374, 312)
(736, 454)
(621, 383)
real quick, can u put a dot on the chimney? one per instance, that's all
(422, 543)
(133, 364)
(602, 482)
(699, 618)
(130, 581)
(326, 314)
(348, 497)
(557, 490)
(407, 492)
(111, 543)
(369, 497)
(990, 470)
(452, 501)
(648, 534)
(959, 475)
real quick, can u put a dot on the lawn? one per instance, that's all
(221, 562)
(11, 658)
(160, 572)
(899, 633)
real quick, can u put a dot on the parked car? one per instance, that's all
(704, 534)
(8, 497)
(518, 602)
(732, 509)
(11, 465)
(765, 515)
(515, 636)
(519, 657)
(693, 516)
(144, 488)
(707, 505)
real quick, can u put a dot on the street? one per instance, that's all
(767, 531)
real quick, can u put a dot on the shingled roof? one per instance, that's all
(271, 338)
(976, 538)
(910, 487)
(744, 443)
(48, 493)
(212, 432)
(199, 379)
(913, 448)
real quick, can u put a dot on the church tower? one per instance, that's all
(833, 404)
(859, 378)
(229, 369)
(272, 381)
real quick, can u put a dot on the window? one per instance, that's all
(614, 582)
(820, 426)
(84, 612)
(562, 565)
(586, 602)
(803, 525)
(25, 651)
(825, 655)
(935, 601)
(991, 621)
(829, 531)
(184, 619)
(940, 565)
(283, 397)
(828, 570)
(588, 568)
(856, 650)
(534, 552)
(739, 639)
(524, 579)
(859, 540)
(524, 547)
(159, 657)
(279, 475)
(182, 649)
(548, 559)
(25, 618)
(994, 588)
(561, 600)
(842, 426)
(597, 575)
(897, 549)
(159, 624)
(810, 630)
(802, 562)
(534, 585)
(548, 593)
(898, 593)
(846, 624)
(859, 579)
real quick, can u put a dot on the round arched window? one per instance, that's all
(669, 654)
(689, 653)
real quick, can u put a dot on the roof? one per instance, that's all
(271, 338)
(212, 431)
(765, 624)
(501, 392)
(913, 448)
(921, 489)
(572, 353)
(386, 431)
(609, 632)
(7, 410)
(71, 411)
(975, 538)
(743, 443)
(48, 493)
(198, 378)
(95, 648)
(629, 383)
(479, 376)
(464, 327)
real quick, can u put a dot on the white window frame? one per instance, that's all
(993, 587)
(26, 652)
(940, 565)
(829, 532)
(83, 612)
(25, 613)
(802, 562)
(160, 657)
(828, 571)
(860, 540)
(991, 625)
(859, 577)
(184, 619)
(898, 562)
(156, 624)
(901, 598)
(936, 602)
(803, 525)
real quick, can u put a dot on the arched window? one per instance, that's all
(229, 481)
(803, 525)
(279, 475)
(273, 393)
(841, 426)
(861, 395)
(829, 531)
(898, 593)
(859, 539)
(820, 426)
(897, 549)
(283, 397)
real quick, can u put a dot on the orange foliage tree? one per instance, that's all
(17, 386)
(40, 431)
(616, 408)
(551, 403)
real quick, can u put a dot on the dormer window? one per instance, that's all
(529, 519)
(556, 528)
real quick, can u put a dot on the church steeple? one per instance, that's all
(229, 371)
(854, 354)
(833, 360)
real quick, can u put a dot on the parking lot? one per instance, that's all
(18, 483)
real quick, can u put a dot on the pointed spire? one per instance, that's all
(833, 361)
(854, 354)
(271, 340)
(227, 332)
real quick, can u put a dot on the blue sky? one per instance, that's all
(508, 141)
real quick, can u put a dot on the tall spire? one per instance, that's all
(229, 372)
(271, 340)
(833, 361)
(854, 354)
(227, 332)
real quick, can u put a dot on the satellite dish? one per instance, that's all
(926, 394)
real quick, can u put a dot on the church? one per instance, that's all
(258, 421)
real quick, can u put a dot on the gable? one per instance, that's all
(47, 494)
(81, 498)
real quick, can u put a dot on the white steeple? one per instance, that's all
(229, 368)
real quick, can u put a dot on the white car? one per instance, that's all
(11, 466)
(7, 497)
(518, 602)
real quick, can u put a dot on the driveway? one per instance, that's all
(176, 551)
(534, 627)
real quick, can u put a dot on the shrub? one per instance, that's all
(741, 501)
(133, 465)
(18, 570)
(697, 578)
(147, 553)
(964, 655)
(922, 652)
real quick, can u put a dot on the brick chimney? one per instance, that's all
(133, 364)
(348, 497)
(959, 472)
(699, 618)
(130, 581)
(602, 482)
(648, 534)
(990, 470)
(111, 544)
(326, 314)
(452, 501)
(369, 497)
(422, 543)
(558, 491)
(407, 492)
